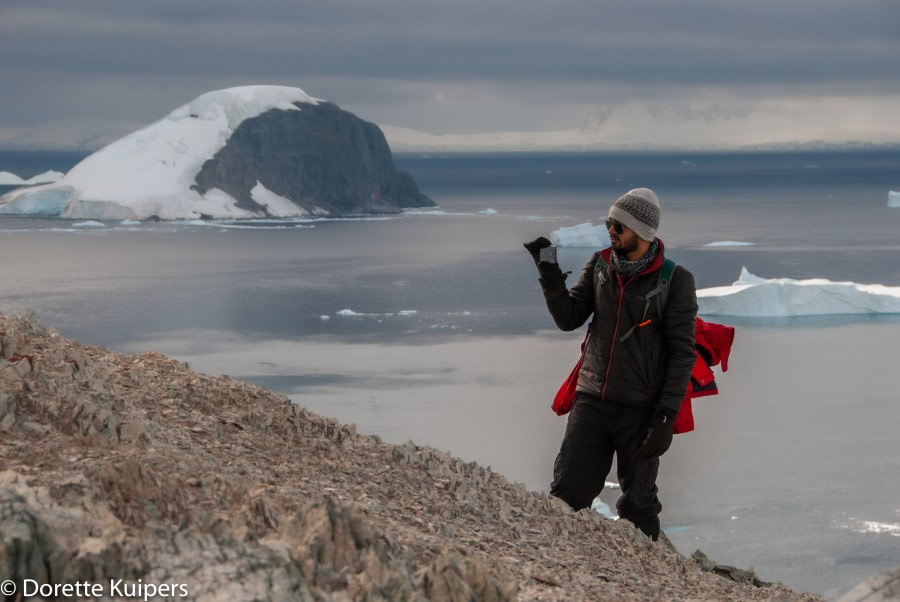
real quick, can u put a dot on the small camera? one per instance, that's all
(548, 254)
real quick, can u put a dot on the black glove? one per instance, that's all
(551, 275)
(534, 247)
(659, 434)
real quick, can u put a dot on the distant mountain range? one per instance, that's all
(409, 140)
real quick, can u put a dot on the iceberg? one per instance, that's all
(47, 176)
(729, 243)
(10, 179)
(752, 296)
(582, 235)
(893, 199)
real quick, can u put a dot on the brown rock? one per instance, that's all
(145, 471)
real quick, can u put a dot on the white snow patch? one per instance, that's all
(753, 296)
(275, 204)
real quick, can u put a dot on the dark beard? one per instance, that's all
(625, 249)
(627, 268)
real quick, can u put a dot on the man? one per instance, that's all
(636, 367)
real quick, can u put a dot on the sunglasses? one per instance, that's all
(615, 226)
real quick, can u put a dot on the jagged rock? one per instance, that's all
(324, 159)
(883, 587)
(25, 541)
(134, 469)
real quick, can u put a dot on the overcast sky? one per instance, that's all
(653, 72)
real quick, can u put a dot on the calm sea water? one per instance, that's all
(431, 327)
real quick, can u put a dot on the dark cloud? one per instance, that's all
(133, 60)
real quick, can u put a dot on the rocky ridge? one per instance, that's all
(323, 159)
(134, 468)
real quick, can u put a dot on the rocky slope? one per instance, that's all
(135, 470)
(324, 159)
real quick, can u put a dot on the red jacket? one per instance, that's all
(713, 344)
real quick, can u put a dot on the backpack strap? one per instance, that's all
(664, 277)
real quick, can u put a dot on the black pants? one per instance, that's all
(596, 431)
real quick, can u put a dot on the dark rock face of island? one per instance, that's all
(322, 158)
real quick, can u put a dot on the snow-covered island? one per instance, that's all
(245, 152)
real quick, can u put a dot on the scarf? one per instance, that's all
(629, 269)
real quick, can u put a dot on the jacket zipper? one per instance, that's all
(615, 336)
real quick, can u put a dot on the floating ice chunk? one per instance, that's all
(875, 527)
(729, 243)
(353, 314)
(753, 296)
(89, 224)
(893, 199)
(603, 508)
(870, 526)
(488, 211)
(582, 235)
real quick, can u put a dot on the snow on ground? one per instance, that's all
(277, 205)
(781, 297)
(150, 172)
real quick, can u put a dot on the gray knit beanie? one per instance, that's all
(638, 209)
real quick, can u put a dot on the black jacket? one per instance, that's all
(630, 357)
